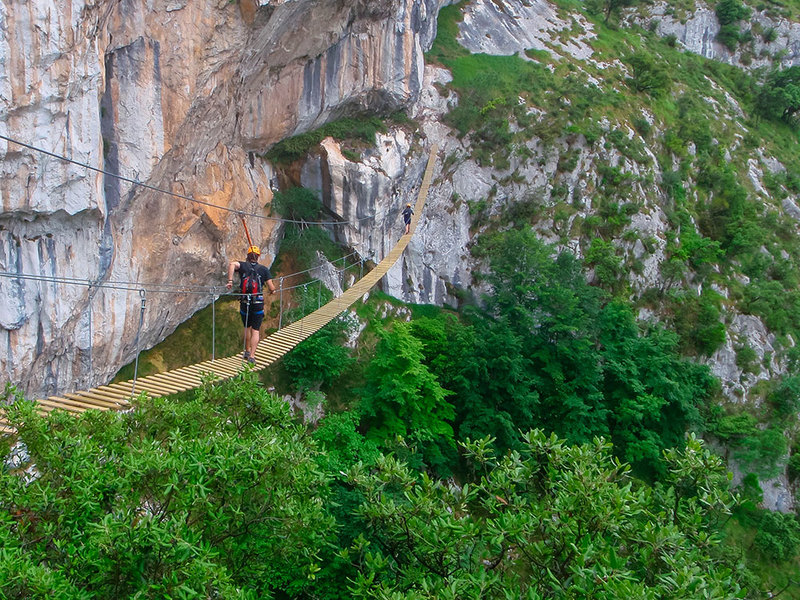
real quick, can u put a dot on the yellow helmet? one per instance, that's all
(254, 250)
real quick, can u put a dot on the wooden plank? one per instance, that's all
(125, 391)
(176, 381)
(154, 389)
(168, 382)
(94, 395)
(85, 398)
(112, 396)
(226, 372)
(58, 405)
(123, 387)
(269, 353)
(76, 403)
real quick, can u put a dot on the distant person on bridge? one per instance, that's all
(407, 212)
(253, 276)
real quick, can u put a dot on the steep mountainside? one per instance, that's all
(652, 144)
(661, 169)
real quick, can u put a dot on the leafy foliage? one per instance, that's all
(216, 496)
(786, 396)
(555, 352)
(731, 11)
(778, 536)
(320, 359)
(608, 8)
(360, 128)
(780, 95)
(402, 397)
(551, 521)
(297, 203)
(304, 243)
(649, 75)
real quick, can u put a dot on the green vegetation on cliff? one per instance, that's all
(224, 496)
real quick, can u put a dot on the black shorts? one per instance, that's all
(252, 319)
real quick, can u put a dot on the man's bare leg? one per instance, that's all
(253, 337)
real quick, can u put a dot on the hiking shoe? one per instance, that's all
(251, 360)
(246, 355)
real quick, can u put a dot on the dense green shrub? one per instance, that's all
(603, 257)
(778, 536)
(649, 75)
(731, 11)
(584, 528)
(696, 319)
(320, 359)
(733, 428)
(354, 128)
(786, 396)
(763, 451)
(297, 203)
(729, 36)
(402, 397)
(216, 496)
(780, 95)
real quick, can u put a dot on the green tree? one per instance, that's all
(779, 97)
(602, 255)
(341, 446)
(731, 11)
(786, 396)
(778, 536)
(549, 521)
(297, 203)
(555, 353)
(649, 76)
(651, 392)
(550, 309)
(608, 8)
(402, 397)
(320, 359)
(216, 496)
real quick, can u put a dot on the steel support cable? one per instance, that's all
(213, 327)
(130, 287)
(137, 285)
(280, 306)
(174, 194)
(143, 296)
(91, 338)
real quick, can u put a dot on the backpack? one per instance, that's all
(251, 282)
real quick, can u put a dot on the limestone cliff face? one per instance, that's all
(179, 95)
(698, 32)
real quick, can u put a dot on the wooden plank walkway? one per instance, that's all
(116, 396)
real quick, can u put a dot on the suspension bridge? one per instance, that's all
(117, 396)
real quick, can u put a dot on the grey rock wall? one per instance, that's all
(697, 33)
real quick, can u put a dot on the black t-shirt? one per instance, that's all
(262, 274)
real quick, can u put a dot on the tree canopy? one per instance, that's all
(549, 521)
(780, 96)
(216, 496)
